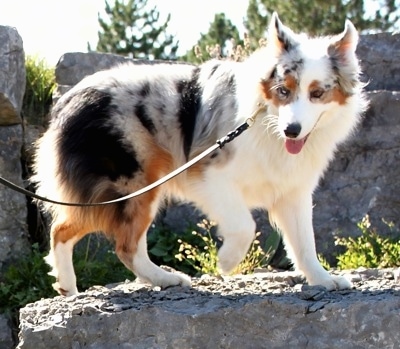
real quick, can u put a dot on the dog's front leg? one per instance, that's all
(292, 215)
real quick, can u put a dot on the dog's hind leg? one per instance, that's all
(63, 238)
(293, 217)
(131, 248)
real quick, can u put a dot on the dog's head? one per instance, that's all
(312, 78)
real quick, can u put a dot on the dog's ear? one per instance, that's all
(343, 46)
(341, 52)
(280, 36)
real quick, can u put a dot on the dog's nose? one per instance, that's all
(292, 130)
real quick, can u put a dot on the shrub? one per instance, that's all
(202, 256)
(163, 245)
(369, 250)
(25, 282)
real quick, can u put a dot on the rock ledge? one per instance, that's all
(264, 310)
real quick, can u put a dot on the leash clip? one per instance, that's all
(251, 120)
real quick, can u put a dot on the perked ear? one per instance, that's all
(279, 35)
(344, 45)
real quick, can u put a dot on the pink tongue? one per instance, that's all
(294, 146)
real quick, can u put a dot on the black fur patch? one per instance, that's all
(90, 147)
(144, 118)
(190, 102)
(145, 91)
(285, 41)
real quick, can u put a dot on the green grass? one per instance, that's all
(370, 249)
(40, 84)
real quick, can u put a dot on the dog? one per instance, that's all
(119, 130)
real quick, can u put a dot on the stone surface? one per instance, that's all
(380, 58)
(6, 341)
(74, 66)
(265, 310)
(12, 75)
(13, 233)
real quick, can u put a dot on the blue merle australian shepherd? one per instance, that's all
(122, 129)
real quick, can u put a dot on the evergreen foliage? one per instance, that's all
(222, 37)
(321, 17)
(132, 29)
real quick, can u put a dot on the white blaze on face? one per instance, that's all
(310, 78)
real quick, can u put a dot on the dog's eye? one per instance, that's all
(283, 92)
(317, 94)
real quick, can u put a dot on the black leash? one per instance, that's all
(220, 143)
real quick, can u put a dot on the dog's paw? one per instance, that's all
(64, 290)
(178, 279)
(332, 282)
(167, 279)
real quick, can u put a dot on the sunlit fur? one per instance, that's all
(119, 130)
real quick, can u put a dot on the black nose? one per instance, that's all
(292, 130)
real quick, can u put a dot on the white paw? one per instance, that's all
(332, 282)
(166, 279)
(65, 290)
(176, 279)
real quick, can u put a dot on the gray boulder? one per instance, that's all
(12, 76)
(380, 57)
(13, 232)
(13, 210)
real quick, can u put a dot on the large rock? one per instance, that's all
(13, 212)
(13, 232)
(268, 310)
(380, 57)
(12, 76)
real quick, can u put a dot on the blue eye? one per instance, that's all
(283, 92)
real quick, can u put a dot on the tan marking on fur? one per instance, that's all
(159, 164)
(339, 96)
(127, 235)
(290, 83)
(66, 231)
(333, 95)
(266, 90)
(138, 210)
(197, 170)
(314, 85)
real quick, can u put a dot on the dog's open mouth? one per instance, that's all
(294, 146)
